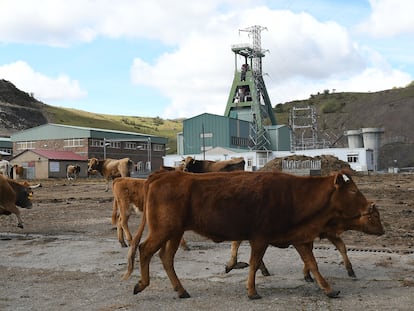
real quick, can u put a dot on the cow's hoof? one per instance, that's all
(20, 226)
(138, 288)
(184, 295)
(308, 278)
(241, 265)
(255, 296)
(351, 273)
(265, 272)
(228, 269)
(333, 294)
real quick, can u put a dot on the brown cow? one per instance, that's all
(111, 168)
(204, 166)
(72, 172)
(263, 207)
(128, 196)
(13, 194)
(200, 166)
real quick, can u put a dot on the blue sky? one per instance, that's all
(173, 58)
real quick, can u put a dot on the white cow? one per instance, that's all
(5, 168)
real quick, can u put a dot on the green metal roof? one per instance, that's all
(60, 131)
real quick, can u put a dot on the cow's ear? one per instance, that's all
(340, 180)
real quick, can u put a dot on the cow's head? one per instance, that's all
(92, 164)
(188, 163)
(24, 195)
(351, 209)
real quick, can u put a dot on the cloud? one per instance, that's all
(62, 23)
(389, 18)
(305, 56)
(43, 88)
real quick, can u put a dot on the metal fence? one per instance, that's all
(302, 167)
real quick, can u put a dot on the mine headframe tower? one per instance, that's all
(248, 99)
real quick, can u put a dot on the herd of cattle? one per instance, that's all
(221, 201)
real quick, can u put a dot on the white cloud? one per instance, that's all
(43, 88)
(62, 23)
(389, 18)
(306, 56)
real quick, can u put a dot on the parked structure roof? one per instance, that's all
(58, 155)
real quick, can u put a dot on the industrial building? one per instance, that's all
(79, 144)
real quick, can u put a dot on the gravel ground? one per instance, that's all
(68, 258)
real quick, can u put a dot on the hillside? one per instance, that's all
(19, 110)
(392, 110)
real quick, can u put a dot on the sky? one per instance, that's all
(173, 59)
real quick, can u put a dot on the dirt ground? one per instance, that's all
(67, 257)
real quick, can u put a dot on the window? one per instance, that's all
(115, 144)
(8, 150)
(54, 166)
(239, 141)
(353, 158)
(74, 142)
(129, 145)
(25, 145)
(158, 147)
(96, 143)
(142, 146)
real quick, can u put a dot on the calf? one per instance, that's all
(72, 172)
(13, 194)
(263, 207)
(128, 196)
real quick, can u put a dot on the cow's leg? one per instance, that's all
(341, 247)
(114, 212)
(258, 249)
(124, 222)
(14, 210)
(233, 258)
(306, 271)
(234, 264)
(167, 254)
(184, 245)
(305, 252)
(147, 249)
(120, 232)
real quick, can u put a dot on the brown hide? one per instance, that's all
(128, 196)
(13, 194)
(262, 207)
(111, 168)
(204, 166)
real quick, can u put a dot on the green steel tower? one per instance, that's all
(248, 99)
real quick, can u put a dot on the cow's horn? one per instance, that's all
(35, 186)
(346, 178)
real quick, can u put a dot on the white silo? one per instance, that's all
(354, 139)
(372, 140)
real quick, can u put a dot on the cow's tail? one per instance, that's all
(134, 245)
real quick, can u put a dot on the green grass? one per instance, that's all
(143, 125)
